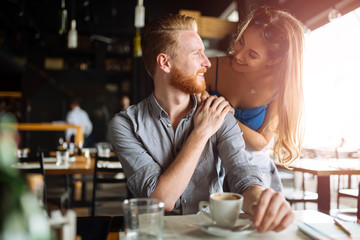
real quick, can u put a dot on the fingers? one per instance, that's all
(286, 221)
(261, 207)
(232, 110)
(272, 212)
(204, 95)
(216, 104)
(201, 97)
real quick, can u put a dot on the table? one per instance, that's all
(177, 227)
(81, 165)
(323, 169)
(78, 138)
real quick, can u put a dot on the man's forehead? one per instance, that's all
(190, 40)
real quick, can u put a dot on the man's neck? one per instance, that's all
(175, 102)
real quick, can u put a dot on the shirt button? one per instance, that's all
(184, 201)
(169, 124)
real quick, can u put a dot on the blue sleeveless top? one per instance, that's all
(251, 117)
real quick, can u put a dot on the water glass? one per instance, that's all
(62, 158)
(144, 218)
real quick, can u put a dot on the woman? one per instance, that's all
(262, 78)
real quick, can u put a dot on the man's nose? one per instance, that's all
(206, 61)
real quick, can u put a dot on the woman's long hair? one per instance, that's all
(284, 36)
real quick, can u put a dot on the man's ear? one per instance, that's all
(274, 61)
(163, 61)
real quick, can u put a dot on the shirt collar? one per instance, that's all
(160, 112)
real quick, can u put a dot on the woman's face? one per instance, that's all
(250, 52)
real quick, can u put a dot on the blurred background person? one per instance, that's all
(78, 116)
(124, 102)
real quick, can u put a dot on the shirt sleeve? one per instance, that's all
(87, 125)
(141, 171)
(231, 147)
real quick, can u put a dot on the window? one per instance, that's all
(332, 83)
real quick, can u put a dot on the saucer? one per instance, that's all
(223, 232)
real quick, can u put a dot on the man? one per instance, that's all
(170, 148)
(77, 116)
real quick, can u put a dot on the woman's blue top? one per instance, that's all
(251, 117)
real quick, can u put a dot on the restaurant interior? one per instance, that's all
(54, 51)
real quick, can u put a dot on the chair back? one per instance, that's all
(358, 206)
(93, 228)
(107, 170)
(31, 164)
(29, 168)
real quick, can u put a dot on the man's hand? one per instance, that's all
(272, 212)
(210, 115)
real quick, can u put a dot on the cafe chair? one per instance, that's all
(57, 189)
(349, 214)
(33, 164)
(302, 195)
(93, 228)
(109, 185)
(346, 190)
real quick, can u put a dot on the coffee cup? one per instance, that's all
(224, 208)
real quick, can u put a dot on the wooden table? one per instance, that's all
(78, 138)
(82, 165)
(323, 169)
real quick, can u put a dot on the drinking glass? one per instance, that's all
(144, 218)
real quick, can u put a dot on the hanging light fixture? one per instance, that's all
(139, 22)
(62, 18)
(139, 15)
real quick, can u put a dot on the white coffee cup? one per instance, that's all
(224, 208)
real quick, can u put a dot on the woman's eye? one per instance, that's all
(253, 55)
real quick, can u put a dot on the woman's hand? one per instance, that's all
(201, 97)
(210, 115)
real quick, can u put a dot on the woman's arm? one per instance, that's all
(259, 139)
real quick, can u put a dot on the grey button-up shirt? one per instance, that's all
(146, 144)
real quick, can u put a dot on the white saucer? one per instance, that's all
(222, 232)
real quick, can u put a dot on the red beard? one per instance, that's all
(187, 84)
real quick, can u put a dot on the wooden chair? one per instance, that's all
(108, 172)
(98, 227)
(57, 189)
(358, 206)
(348, 191)
(302, 195)
(93, 228)
(34, 164)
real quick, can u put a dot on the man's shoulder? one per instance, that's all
(230, 120)
(132, 112)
